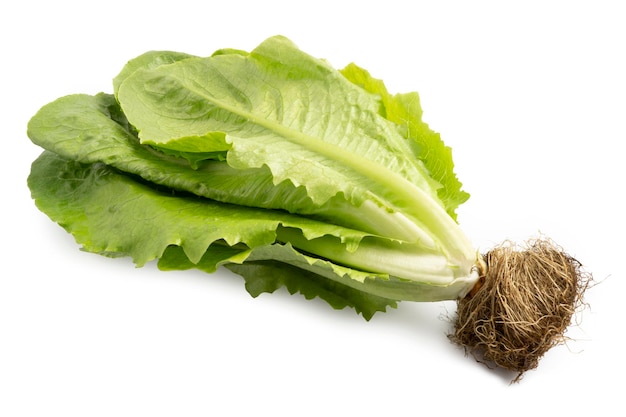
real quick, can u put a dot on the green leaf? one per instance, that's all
(268, 276)
(114, 214)
(280, 108)
(263, 274)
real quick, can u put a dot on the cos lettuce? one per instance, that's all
(270, 163)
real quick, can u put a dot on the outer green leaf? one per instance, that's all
(276, 107)
(280, 108)
(268, 276)
(263, 275)
(113, 214)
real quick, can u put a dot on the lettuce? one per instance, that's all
(292, 174)
(270, 163)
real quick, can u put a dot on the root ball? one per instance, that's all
(521, 306)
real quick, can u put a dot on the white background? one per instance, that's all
(531, 96)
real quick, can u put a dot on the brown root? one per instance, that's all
(522, 305)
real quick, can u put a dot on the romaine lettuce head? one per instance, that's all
(272, 163)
